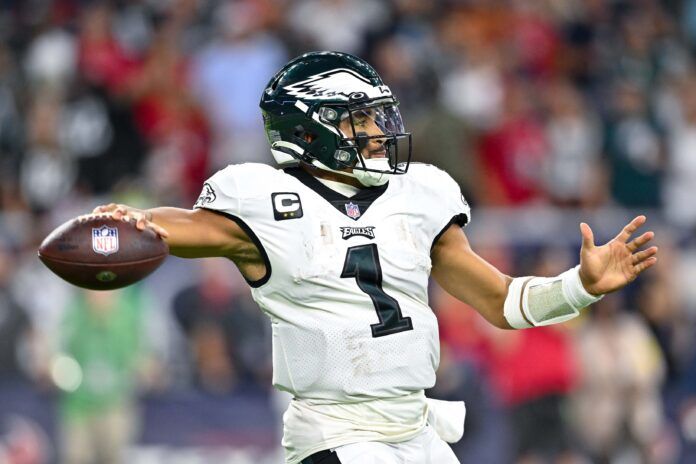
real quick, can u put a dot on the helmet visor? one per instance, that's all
(382, 119)
(375, 130)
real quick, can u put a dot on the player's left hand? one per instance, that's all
(609, 267)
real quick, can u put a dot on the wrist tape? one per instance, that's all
(538, 301)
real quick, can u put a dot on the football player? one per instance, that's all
(338, 245)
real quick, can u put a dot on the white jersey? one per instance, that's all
(346, 282)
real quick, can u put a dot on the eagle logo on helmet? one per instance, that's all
(336, 83)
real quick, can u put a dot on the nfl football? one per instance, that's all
(100, 253)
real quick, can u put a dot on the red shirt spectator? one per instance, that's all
(512, 154)
(102, 61)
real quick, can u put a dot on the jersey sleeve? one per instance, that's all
(454, 204)
(447, 202)
(221, 192)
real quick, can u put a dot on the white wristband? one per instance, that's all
(574, 292)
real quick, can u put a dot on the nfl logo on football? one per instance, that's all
(105, 240)
(353, 210)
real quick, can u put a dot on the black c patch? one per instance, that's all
(286, 205)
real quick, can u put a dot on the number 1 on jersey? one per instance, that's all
(362, 263)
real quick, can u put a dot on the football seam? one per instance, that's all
(125, 263)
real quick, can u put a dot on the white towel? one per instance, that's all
(447, 418)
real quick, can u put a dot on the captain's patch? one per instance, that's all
(286, 205)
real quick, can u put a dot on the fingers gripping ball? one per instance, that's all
(102, 253)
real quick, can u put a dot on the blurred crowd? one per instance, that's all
(547, 112)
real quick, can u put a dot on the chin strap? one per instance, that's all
(372, 178)
(366, 178)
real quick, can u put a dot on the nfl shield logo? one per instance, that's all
(105, 240)
(353, 210)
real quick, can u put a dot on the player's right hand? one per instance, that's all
(143, 219)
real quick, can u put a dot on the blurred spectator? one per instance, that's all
(471, 62)
(474, 90)
(131, 28)
(658, 301)
(488, 436)
(534, 37)
(97, 370)
(689, 21)
(618, 410)
(99, 133)
(43, 297)
(405, 73)
(51, 60)
(573, 172)
(440, 139)
(14, 322)
(686, 411)
(227, 331)
(634, 56)
(339, 25)
(96, 129)
(513, 153)
(11, 126)
(103, 62)
(170, 119)
(634, 149)
(413, 24)
(679, 185)
(229, 75)
(22, 441)
(532, 371)
(48, 173)
(580, 26)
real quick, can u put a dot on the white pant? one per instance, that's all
(425, 448)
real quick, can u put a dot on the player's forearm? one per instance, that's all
(484, 289)
(191, 234)
(470, 278)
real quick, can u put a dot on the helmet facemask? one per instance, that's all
(372, 143)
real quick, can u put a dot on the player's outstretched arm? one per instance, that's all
(196, 233)
(533, 301)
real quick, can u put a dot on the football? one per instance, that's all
(100, 253)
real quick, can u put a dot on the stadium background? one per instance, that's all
(547, 112)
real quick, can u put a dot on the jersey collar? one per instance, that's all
(363, 199)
